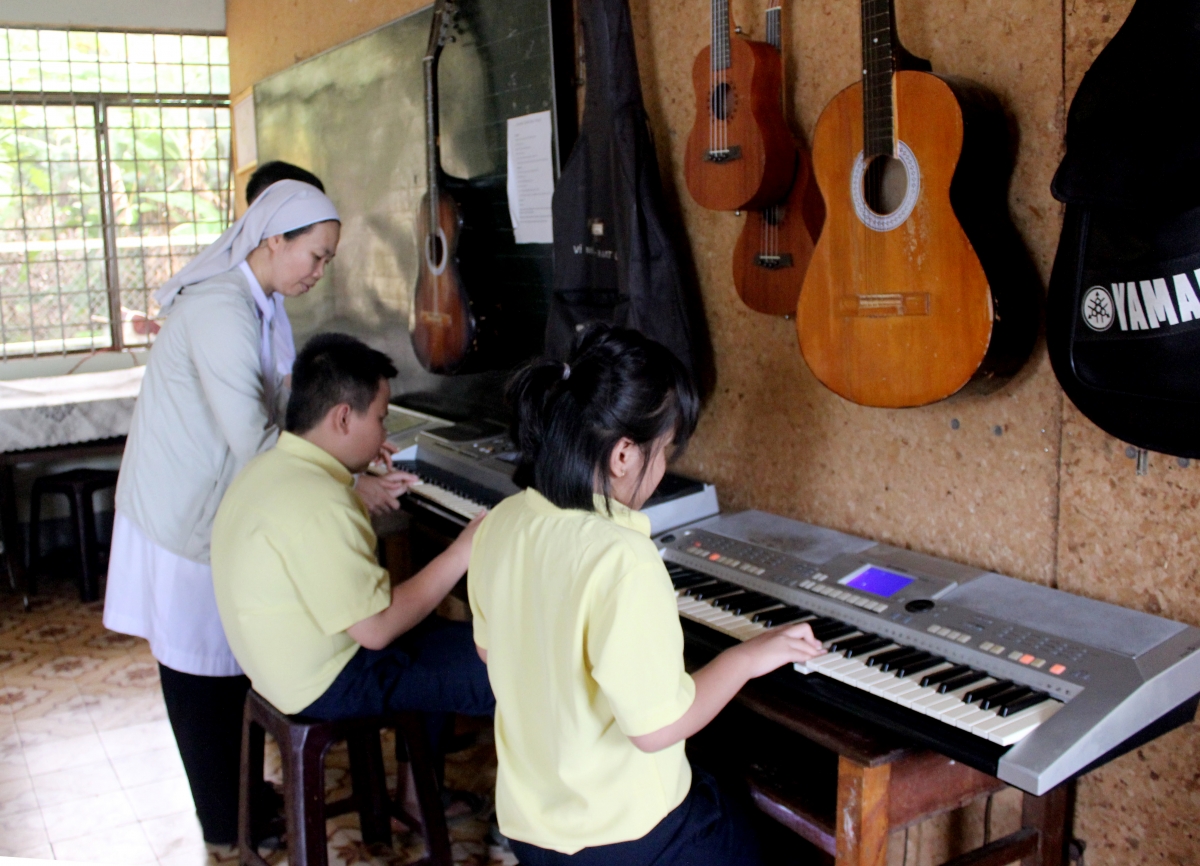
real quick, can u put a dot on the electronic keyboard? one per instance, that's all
(466, 468)
(1029, 684)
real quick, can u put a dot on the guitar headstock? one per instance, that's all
(445, 12)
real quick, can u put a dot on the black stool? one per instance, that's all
(78, 485)
(303, 743)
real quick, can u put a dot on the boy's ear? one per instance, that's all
(339, 415)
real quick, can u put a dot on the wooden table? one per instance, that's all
(844, 784)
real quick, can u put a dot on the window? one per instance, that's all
(114, 172)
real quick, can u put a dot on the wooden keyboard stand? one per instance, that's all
(884, 783)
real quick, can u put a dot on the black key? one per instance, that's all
(912, 657)
(830, 632)
(870, 647)
(675, 566)
(885, 657)
(852, 642)
(953, 685)
(747, 596)
(780, 616)
(696, 586)
(716, 589)
(997, 701)
(907, 670)
(942, 676)
(689, 580)
(1030, 700)
(745, 606)
(719, 600)
(987, 691)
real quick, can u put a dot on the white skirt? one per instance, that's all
(168, 600)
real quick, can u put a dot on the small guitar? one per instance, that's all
(776, 243)
(739, 153)
(902, 302)
(442, 324)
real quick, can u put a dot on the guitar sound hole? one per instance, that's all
(724, 101)
(434, 250)
(885, 183)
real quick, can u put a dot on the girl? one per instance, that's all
(575, 617)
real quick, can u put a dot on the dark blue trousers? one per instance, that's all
(433, 668)
(706, 829)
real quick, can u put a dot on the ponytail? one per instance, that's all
(568, 417)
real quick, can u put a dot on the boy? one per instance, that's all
(305, 606)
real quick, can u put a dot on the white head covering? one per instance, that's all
(284, 206)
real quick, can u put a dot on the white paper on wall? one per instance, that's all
(531, 177)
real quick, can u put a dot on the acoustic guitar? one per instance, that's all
(776, 243)
(442, 323)
(739, 153)
(917, 260)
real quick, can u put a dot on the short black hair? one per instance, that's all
(617, 383)
(332, 369)
(277, 170)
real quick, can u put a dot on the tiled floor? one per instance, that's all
(88, 765)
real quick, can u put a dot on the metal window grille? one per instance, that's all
(115, 170)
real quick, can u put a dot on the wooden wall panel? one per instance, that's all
(1048, 498)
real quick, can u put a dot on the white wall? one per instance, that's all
(206, 16)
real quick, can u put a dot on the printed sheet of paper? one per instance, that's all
(531, 177)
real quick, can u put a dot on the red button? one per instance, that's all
(714, 556)
(1025, 659)
(1057, 669)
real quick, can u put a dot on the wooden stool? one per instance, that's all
(78, 485)
(303, 744)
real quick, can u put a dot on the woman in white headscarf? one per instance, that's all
(213, 397)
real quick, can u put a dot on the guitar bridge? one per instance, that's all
(773, 263)
(883, 305)
(725, 154)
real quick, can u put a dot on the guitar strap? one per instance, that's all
(1123, 310)
(614, 257)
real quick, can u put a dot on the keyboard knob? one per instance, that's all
(919, 605)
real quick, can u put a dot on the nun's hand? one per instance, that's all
(381, 493)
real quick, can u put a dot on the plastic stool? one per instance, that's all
(303, 744)
(78, 485)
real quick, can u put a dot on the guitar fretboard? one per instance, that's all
(879, 62)
(720, 35)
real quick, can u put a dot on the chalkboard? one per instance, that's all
(354, 115)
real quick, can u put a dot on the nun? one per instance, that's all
(213, 397)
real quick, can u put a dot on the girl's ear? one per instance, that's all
(621, 461)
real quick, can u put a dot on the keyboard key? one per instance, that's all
(915, 667)
(957, 682)
(914, 655)
(868, 647)
(781, 615)
(997, 701)
(1011, 708)
(885, 657)
(852, 642)
(941, 676)
(987, 691)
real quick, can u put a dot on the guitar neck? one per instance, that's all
(437, 39)
(880, 53)
(720, 55)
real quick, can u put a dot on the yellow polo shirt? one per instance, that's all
(293, 562)
(585, 650)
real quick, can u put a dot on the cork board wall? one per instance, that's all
(1022, 484)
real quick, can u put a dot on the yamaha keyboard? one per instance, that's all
(465, 468)
(1026, 683)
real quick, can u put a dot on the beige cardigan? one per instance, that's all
(200, 417)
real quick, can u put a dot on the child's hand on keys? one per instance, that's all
(787, 644)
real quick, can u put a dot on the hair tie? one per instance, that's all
(566, 371)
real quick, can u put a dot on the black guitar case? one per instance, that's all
(614, 260)
(1123, 311)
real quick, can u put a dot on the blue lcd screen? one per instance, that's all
(879, 582)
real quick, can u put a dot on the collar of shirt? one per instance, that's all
(622, 515)
(300, 447)
(266, 307)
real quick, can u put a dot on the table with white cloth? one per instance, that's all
(58, 418)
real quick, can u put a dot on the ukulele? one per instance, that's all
(901, 303)
(776, 243)
(739, 153)
(442, 324)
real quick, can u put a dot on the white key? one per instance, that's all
(446, 499)
(950, 701)
(969, 720)
(1022, 725)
